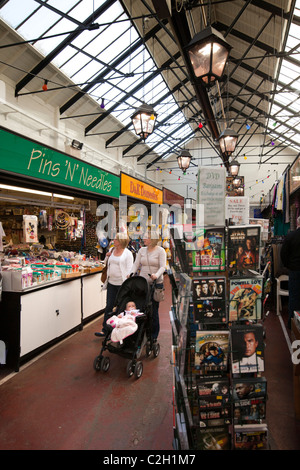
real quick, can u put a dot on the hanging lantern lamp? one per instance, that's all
(143, 120)
(184, 160)
(234, 168)
(208, 52)
(228, 141)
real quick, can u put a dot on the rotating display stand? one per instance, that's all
(220, 393)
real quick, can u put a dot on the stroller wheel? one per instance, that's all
(105, 364)
(148, 350)
(156, 349)
(97, 363)
(130, 369)
(138, 369)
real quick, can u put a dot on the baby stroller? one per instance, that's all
(135, 289)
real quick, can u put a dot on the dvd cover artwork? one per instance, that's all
(209, 250)
(209, 299)
(245, 299)
(251, 437)
(247, 349)
(213, 393)
(249, 388)
(215, 417)
(216, 438)
(249, 413)
(211, 350)
(249, 396)
(243, 248)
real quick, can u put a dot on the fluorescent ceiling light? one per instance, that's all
(62, 196)
(33, 191)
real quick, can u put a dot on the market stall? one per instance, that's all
(50, 251)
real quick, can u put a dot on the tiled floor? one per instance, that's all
(284, 429)
(59, 402)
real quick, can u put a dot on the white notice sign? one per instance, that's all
(211, 194)
(237, 210)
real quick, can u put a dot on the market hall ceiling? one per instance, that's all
(102, 59)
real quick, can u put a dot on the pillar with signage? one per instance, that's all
(173, 199)
(141, 198)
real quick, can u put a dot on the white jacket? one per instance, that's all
(125, 265)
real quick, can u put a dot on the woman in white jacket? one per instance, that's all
(119, 264)
(151, 260)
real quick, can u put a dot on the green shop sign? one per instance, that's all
(22, 156)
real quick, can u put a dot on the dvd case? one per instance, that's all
(251, 437)
(208, 253)
(213, 393)
(215, 438)
(247, 349)
(212, 350)
(249, 388)
(209, 298)
(243, 248)
(245, 299)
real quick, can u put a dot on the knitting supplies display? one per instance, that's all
(62, 219)
(72, 225)
(20, 273)
(30, 226)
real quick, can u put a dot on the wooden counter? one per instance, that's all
(35, 318)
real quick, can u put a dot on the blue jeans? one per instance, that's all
(111, 295)
(294, 294)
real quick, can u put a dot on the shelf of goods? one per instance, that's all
(34, 318)
(220, 393)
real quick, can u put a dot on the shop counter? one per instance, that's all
(37, 317)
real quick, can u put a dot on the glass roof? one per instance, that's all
(94, 52)
(286, 105)
(112, 61)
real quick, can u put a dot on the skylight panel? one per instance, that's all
(14, 15)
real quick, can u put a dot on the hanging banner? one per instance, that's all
(139, 190)
(211, 195)
(25, 157)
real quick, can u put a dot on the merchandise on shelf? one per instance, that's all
(20, 272)
(218, 349)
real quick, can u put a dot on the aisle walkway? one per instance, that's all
(284, 429)
(60, 403)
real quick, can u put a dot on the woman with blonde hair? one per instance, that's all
(119, 261)
(151, 259)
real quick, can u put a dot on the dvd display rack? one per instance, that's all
(220, 392)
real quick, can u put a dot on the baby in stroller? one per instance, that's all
(124, 324)
(130, 327)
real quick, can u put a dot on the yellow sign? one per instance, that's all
(140, 190)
